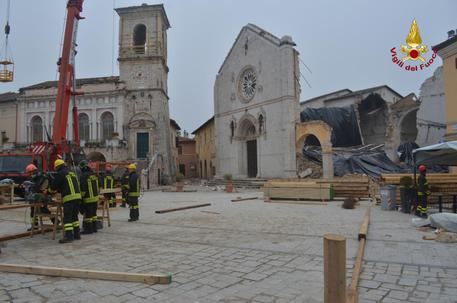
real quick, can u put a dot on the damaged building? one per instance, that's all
(376, 120)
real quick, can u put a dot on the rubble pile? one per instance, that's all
(306, 168)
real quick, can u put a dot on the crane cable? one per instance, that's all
(7, 28)
(112, 40)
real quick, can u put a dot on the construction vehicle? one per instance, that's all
(43, 154)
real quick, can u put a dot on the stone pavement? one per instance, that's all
(247, 251)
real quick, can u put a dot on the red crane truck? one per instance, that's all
(43, 154)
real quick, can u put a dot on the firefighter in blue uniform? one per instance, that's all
(66, 183)
(125, 186)
(107, 182)
(133, 193)
(89, 191)
(37, 192)
(423, 190)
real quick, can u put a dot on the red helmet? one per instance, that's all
(108, 167)
(31, 168)
(422, 168)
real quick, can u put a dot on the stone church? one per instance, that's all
(123, 117)
(256, 106)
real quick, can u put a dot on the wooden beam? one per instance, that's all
(352, 294)
(181, 208)
(364, 226)
(295, 202)
(87, 274)
(334, 269)
(14, 236)
(244, 199)
(15, 206)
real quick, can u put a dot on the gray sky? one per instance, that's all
(346, 44)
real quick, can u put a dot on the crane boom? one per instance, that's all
(67, 81)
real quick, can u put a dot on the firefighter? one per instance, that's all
(89, 191)
(37, 192)
(125, 186)
(133, 193)
(423, 191)
(66, 183)
(107, 182)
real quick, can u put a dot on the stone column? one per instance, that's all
(327, 164)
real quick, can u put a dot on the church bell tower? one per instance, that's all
(144, 70)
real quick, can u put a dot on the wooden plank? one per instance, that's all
(110, 191)
(15, 206)
(299, 193)
(244, 199)
(87, 274)
(352, 293)
(364, 226)
(181, 208)
(352, 289)
(334, 268)
(296, 202)
(295, 185)
(14, 236)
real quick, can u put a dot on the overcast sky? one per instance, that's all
(346, 44)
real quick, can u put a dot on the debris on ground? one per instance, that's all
(349, 203)
(445, 237)
(308, 168)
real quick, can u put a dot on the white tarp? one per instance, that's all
(437, 154)
(445, 221)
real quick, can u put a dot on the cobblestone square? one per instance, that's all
(247, 251)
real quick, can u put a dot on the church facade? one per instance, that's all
(256, 106)
(123, 117)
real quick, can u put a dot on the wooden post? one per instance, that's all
(334, 269)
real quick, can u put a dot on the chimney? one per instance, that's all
(450, 34)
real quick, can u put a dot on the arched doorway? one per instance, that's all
(96, 157)
(247, 133)
(316, 133)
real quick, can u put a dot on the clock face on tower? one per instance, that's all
(247, 85)
(138, 74)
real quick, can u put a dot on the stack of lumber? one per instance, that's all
(354, 186)
(440, 183)
(297, 190)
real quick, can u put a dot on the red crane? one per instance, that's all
(67, 82)
(43, 154)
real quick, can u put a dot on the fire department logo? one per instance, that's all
(413, 51)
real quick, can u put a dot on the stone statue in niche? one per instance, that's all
(261, 124)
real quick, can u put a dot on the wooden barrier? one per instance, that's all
(87, 274)
(334, 269)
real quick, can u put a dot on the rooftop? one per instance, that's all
(9, 96)
(203, 125)
(79, 82)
